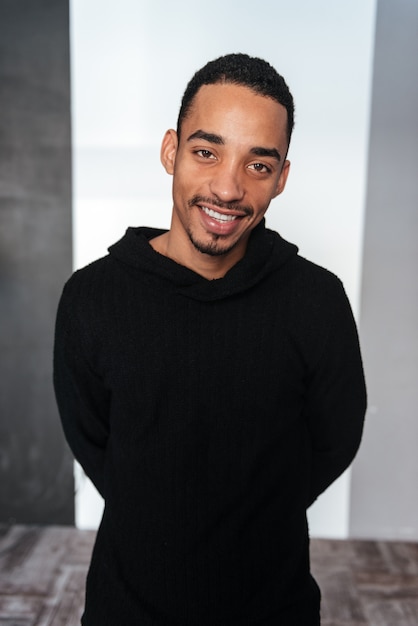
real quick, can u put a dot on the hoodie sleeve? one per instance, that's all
(83, 400)
(336, 401)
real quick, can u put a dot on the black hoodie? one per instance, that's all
(209, 414)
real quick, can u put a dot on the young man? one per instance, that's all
(209, 380)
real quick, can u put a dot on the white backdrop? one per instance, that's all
(131, 60)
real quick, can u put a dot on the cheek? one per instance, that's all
(187, 183)
(178, 182)
(183, 190)
(261, 198)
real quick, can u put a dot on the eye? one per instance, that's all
(205, 154)
(260, 167)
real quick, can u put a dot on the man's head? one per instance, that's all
(228, 160)
(240, 69)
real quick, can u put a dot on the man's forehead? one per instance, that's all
(215, 95)
(218, 105)
(224, 87)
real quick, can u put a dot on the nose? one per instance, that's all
(226, 183)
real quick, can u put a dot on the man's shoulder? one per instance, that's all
(90, 273)
(313, 276)
(287, 260)
(86, 283)
(314, 293)
(88, 300)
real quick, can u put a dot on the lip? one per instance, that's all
(223, 226)
(220, 209)
(218, 214)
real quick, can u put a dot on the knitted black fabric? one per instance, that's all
(209, 415)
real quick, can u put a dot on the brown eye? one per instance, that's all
(260, 167)
(206, 154)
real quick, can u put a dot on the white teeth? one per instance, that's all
(218, 216)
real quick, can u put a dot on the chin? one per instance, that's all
(215, 247)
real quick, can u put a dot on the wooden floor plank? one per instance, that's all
(401, 558)
(392, 612)
(340, 600)
(363, 583)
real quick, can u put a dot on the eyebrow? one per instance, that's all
(211, 137)
(266, 152)
(219, 140)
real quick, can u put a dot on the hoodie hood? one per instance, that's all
(266, 252)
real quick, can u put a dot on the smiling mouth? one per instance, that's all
(221, 217)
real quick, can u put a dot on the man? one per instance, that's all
(209, 380)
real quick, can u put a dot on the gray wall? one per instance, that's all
(36, 476)
(384, 498)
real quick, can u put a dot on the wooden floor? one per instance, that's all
(364, 583)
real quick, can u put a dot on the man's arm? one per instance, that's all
(336, 400)
(82, 399)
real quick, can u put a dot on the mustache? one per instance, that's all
(227, 206)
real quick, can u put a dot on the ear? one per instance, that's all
(169, 150)
(281, 183)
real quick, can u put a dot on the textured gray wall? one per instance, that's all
(384, 497)
(36, 476)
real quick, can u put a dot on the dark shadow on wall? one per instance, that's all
(36, 471)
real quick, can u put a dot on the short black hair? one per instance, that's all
(240, 69)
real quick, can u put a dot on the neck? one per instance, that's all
(184, 253)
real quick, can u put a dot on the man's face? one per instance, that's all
(227, 167)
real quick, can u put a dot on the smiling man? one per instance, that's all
(209, 380)
(228, 164)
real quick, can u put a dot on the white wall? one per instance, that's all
(130, 64)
